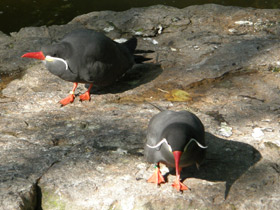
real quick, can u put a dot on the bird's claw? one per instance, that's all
(179, 186)
(69, 99)
(85, 96)
(156, 177)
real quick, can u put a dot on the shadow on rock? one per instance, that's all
(226, 160)
(138, 75)
(140, 55)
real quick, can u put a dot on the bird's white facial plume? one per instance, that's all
(170, 148)
(159, 144)
(198, 144)
(53, 59)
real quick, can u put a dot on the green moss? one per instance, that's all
(111, 24)
(114, 206)
(271, 145)
(232, 206)
(10, 45)
(140, 30)
(275, 69)
(52, 201)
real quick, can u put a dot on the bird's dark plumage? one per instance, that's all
(87, 56)
(180, 132)
(92, 57)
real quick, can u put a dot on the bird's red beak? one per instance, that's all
(177, 156)
(177, 183)
(37, 55)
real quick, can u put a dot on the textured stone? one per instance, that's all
(90, 155)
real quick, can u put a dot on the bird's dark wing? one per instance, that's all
(97, 58)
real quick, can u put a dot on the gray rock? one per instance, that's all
(90, 155)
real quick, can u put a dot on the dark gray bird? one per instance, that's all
(175, 139)
(87, 56)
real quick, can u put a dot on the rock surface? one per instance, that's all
(90, 155)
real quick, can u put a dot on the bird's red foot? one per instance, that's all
(156, 177)
(85, 96)
(69, 99)
(179, 186)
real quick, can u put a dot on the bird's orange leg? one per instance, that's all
(71, 97)
(177, 184)
(86, 95)
(156, 177)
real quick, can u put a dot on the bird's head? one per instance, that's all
(53, 56)
(177, 136)
(179, 139)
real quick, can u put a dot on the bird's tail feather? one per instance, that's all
(156, 106)
(131, 44)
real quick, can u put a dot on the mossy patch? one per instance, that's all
(52, 201)
(271, 145)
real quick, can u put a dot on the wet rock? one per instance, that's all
(90, 155)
